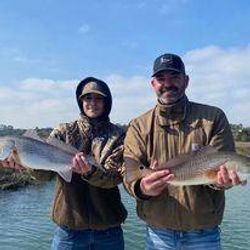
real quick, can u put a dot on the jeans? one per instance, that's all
(67, 239)
(205, 239)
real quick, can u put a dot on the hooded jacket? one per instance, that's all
(93, 201)
(161, 134)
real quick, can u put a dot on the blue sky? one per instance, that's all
(47, 46)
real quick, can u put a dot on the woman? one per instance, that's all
(88, 211)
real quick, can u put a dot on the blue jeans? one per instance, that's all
(67, 239)
(206, 239)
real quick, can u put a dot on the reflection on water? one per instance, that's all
(25, 222)
(134, 228)
(236, 224)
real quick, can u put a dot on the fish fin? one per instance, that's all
(62, 145)
(66, 175)
(182, 158)
(91, 160)
(206, 149)
(133, 164)
(175, 161)
(135, 170)
(31, 133)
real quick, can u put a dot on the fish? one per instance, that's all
(31, 151)
(197, 168)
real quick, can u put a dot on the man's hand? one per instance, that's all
(154, 183)
(10, 163)
(80, 165)
(227, 179)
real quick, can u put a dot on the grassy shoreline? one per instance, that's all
(10, 179)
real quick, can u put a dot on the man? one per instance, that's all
(88, 211)
(177, 217)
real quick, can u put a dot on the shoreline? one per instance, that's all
(12, 180)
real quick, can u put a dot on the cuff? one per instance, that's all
(138, 191)
(88, 175)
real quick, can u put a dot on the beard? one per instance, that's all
(170, 95)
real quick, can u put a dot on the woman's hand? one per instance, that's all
(80, 164)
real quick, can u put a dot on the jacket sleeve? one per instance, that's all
(221, 134)
(134, 160)
(113, 165)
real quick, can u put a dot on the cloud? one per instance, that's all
(20, 59)
(38, 102)
(221, 77)
(169, 6)
(46, 85)
(218, 77)
(85, 28)
(45, 102)
(131, 96)
(130, 44)
(16, 55)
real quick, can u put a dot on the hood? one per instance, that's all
(103, 88)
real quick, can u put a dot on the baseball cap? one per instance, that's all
(168, 62)
(93, 87)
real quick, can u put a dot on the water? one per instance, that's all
(24, 218)
(25, 222)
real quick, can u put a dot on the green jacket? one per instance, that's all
(161, 134)
(91, 202)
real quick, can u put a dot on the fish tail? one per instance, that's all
(66, 175)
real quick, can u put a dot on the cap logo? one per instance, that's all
(91, 85)
(165, 60)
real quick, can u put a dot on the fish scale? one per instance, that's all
(198, 168)
(32, 152)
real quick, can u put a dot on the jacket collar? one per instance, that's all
(96, 123)
(172, 114)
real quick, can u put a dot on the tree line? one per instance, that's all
(240, 132)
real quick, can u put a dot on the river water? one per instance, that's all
(25, 222)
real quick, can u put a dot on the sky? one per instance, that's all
(48, 46)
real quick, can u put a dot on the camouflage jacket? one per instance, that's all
(91, 202)
(163, 133)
